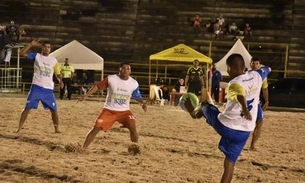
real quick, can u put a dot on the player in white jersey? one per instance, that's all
(237, 120)
(42, 84)
(120, 88)
(255, 65)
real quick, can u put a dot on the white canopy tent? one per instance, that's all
(238, 47)
(80, 57)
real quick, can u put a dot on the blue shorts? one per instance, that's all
(38, 93)
(260, 114)
(232, 141)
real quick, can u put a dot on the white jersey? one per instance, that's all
(43, 70)
(248, 85)
(119, 92)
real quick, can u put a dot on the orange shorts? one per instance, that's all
(107, 118)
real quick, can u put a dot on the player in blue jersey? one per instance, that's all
(255, 65)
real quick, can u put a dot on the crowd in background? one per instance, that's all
(10, 34)
(219, 27)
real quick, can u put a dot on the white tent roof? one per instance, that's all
(79, 56)
(238, 47)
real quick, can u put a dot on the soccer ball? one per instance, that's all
(194, 100)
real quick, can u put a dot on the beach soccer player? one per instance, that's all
(237, 120)
(42, 84)
(120, 88)
(263, 105)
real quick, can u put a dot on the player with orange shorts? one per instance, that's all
(120, 88)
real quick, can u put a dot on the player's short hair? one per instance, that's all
(196, 60)
(254, 59)
(236, 60)
(46, 42)
(124, 63)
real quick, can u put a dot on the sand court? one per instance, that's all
(174, 148)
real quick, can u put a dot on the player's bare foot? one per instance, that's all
(18, 129)
(74, 148)
(134, 149)
(56, 129)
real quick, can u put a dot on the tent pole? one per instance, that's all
(157, 69)
(207, 78)
(149, 73)
(102, 78)
(286, 60)
(18, 66)
(165, 73)
(210, 49)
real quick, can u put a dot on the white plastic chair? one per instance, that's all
(159, 95)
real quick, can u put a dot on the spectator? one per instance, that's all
(197, 23)
(217, 29)
(13, 32)
(178, 85)
(216, 77)
(165, 92)
(194, 78)
(177, 89)
(248, 31)
(221, 20)
(67, 71)
(233, 29)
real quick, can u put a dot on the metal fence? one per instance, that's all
(10, 79)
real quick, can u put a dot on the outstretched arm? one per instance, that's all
(136, 94)
(92, 90)
(143, 104)
(99, 86)
(264, 71)
(24, 51)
